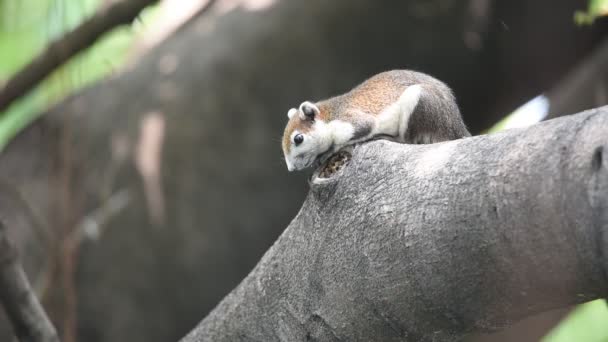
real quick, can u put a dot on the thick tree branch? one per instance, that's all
(66, 47)
(433, 242)
(25, 312)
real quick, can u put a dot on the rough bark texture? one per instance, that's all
(433, 242)
(225, 186)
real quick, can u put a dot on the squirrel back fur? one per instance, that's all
(402, 105)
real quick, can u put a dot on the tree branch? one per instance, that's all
(25, 312)
(62, 50)
(433, 242)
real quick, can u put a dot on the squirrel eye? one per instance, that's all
(298, 138)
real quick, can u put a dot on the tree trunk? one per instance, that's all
(433, 242)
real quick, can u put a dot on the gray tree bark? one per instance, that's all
(433, 242)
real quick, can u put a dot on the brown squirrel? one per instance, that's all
(401, 105)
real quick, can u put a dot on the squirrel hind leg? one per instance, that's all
(423, 138)
(408, 101)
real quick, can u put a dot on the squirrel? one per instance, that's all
(400, 105)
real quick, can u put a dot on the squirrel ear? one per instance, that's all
(308, 110)
(291, 112)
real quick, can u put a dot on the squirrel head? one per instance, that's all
(306, 136)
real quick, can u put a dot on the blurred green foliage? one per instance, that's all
(587, 323)
(27, 26)
(595, 8)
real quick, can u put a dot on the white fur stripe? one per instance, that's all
(407, 104)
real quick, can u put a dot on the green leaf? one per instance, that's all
(588, 322)
(26, 26)
(595, 9)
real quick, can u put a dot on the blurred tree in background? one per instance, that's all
(26, 27)
(218, 87)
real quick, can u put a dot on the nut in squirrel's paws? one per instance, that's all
(334, 164)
